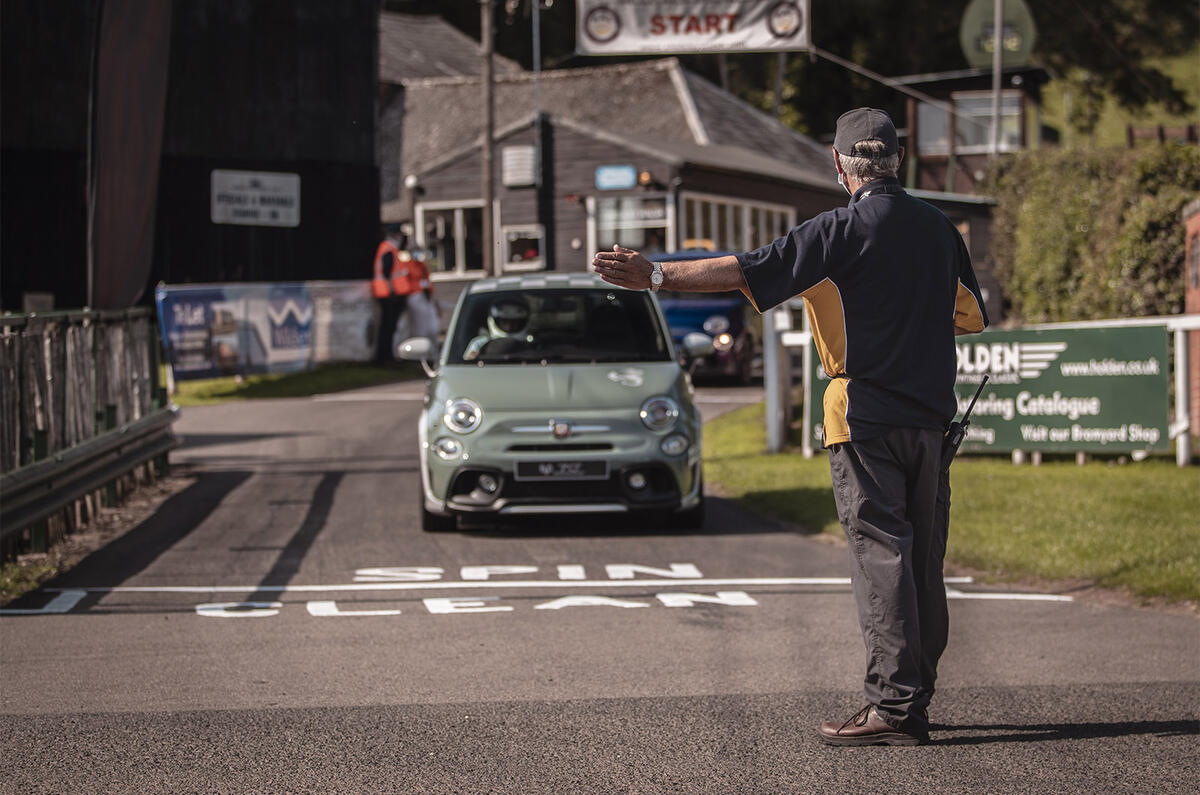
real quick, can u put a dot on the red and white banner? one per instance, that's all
(627, 27)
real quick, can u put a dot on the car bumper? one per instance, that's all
(669, 483)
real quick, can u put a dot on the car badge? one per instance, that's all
(629, 376)
(561, 428)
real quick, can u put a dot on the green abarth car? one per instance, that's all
(558, 394)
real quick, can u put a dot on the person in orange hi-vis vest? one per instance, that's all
(405, 291)
(389, 259)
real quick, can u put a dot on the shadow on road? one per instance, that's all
(123, 558)
(1048, 732)
(189, 440)
(723, 517)
(288, 563)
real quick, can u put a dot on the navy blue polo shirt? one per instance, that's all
(887, 282)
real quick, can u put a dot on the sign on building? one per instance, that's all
(255, 198)
(626, 27)
(619, 177)
(1070, 390)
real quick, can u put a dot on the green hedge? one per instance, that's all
(1089, 234)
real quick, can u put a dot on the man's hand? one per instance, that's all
(623, 267)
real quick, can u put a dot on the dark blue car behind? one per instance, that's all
(728, 318)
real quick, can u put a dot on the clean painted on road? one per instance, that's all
(476, 577)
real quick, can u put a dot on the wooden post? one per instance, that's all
(39, 533)
(110, 422)
(489, 124)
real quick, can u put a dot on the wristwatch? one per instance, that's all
(656, 276)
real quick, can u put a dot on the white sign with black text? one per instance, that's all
(255, 198)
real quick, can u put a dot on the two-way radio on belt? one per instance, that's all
(958, 431)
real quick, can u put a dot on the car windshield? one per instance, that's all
(568, 325)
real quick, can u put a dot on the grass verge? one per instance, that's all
(1131, 527)
(322, 380)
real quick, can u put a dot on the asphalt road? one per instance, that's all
(283, 625)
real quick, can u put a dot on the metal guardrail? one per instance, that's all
(36, 491)
(81, 406)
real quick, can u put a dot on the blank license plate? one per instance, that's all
(562, 470)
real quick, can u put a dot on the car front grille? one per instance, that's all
(561, 447)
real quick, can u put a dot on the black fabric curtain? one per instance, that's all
(130, 85)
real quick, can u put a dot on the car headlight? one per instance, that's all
(659, 413)
(463, 415)
(447, 449)
(716, 324)
(723, 342)
(675, 444)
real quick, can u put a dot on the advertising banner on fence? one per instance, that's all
(1069, 390)
(630, 27)
(228, 329)
(344, 318)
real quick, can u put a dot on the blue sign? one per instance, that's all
(225, 329)
(615, 177)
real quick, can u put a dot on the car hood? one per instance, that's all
(685, 316)
(557, 387)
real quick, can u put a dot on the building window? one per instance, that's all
(721, 224)
(643, 223)
(973, 125)
(451, 237)
(523, 247)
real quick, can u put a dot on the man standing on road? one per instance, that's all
(389, 268)
(887, 283)
(402, 289)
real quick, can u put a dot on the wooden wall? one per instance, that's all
(262, 85)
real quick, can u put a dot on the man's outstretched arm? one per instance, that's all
(628, 268)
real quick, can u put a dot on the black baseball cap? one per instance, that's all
(865, 124)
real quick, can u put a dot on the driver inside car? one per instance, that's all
(507, 321)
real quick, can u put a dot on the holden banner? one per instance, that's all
(634, 27)
(1071, 390)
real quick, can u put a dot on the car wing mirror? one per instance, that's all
(419, 349)
(697, 345)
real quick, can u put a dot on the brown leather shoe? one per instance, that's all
(867, 728)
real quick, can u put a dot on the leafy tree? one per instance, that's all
(1088, 234)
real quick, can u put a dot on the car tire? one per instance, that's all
(437, 523)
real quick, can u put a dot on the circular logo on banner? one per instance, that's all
(785, 20)
(602, 25)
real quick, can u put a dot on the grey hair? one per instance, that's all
(869, 161)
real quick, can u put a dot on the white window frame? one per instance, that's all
(539, 264)
(593, 232)
(460, 248)
(985, 148)
(742, 206)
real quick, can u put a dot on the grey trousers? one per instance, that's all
(893, 501)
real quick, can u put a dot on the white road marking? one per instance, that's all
(951, 593)
(66, 599)
(478, 584)
(239, 609)
(441, 585)
(330, 609)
